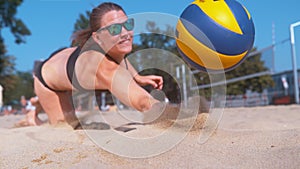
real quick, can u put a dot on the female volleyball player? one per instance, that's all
(98, 62)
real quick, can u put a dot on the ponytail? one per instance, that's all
(80, 37)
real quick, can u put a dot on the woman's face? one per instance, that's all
(116, 45)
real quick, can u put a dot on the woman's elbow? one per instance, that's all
(142, 104)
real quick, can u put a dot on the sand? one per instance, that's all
(254, 137)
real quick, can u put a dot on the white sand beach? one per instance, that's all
(252, 137)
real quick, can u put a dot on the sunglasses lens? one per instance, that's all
(115, 29)
(129, 24)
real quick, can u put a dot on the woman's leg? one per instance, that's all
(57, 105)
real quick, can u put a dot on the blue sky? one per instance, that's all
(51, 23)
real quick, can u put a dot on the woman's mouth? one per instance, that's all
(125, 41)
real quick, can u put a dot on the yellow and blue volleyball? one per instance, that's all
(215, 35)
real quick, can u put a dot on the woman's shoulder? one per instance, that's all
(93, 49)
(92, 52)
(90, 56)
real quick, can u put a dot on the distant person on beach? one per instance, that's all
(23, 103)
(97, 63)
(31, 109)
(1, 96)
(32, 112)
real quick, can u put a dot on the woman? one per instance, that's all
(97, 63)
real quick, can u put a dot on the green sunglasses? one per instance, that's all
(116, 29)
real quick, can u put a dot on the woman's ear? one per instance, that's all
(96, 38)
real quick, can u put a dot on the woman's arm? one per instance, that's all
(127, 65)
(122, 85)
(153, 80)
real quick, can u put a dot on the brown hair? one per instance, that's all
(80, 37)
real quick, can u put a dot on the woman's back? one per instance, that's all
(54, 70)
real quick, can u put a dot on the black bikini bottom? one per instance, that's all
(70, 70)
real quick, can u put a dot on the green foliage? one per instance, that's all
(251, 65)
(11, 81)
(6, 62)
(17, 85)
(21, 84)
(8, 10)
(7, 77)
(162, 60)
(160, 39)
(82, 22)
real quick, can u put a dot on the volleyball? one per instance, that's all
(214, 35)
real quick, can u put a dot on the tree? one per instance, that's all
(23, 86)
(251, 65)
(163, 61)
(8, 78)
(8, 10)
(6, 61)
(82, 22)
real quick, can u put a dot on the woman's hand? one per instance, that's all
(153, 80)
